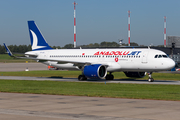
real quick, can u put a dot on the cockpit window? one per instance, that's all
(160, 56)
(164, 56)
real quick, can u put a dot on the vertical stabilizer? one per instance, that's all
(37, 40)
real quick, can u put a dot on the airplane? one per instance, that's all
(97, 63)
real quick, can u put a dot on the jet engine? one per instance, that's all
(135, 74)
(95, 71)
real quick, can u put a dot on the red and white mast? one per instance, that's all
(75, 24)
(129, 28)
(164, 31)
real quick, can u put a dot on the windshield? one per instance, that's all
(160, 56)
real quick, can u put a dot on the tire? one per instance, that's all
(109, 77)
(150, 80)
(82, 77)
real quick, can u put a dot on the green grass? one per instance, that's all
(45, 73)
(114, 90)
(74, 74)
(5, 58)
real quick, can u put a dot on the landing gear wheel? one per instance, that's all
(109, 77)
(150, 80)
(150, 77)
(82, 77)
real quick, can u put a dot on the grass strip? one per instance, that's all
(45, 73)
(113, 90)
(74, 74)
(5, 58)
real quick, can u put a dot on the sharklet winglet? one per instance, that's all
(8, 51)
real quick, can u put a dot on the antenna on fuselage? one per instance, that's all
(120, 42)
(150, 46)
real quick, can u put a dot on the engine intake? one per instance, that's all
(135, 74)
(95, 71)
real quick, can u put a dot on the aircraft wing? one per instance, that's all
(76, 63)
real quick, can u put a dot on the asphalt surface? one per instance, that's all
(22, 66)
(18, 106)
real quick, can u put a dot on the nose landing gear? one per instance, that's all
(150, 79)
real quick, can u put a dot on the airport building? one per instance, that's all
(172, 49)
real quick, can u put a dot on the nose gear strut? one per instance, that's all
(150, 79)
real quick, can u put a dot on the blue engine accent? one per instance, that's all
(95, 71)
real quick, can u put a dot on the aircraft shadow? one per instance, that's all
(142, 80)
(117, 80)
(129, 80)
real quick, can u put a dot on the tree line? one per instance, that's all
(97, 45)
(25, 48)
(20, 48)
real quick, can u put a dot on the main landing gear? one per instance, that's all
(82, 77)
(150, 79)
(109, 76)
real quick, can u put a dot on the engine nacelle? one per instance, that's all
(135, 74)
(95, 71)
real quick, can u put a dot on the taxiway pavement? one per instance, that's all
(19, 106)
(22, 66)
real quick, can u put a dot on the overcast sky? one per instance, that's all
(96, 20)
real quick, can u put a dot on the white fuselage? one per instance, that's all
(115, 59)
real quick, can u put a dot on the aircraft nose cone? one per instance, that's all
(171, 64)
